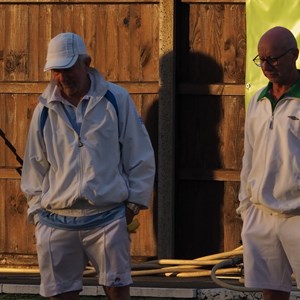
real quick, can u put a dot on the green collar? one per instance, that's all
(294, 91)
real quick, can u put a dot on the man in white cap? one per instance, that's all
(88, 170)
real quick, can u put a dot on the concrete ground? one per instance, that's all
(144, 288)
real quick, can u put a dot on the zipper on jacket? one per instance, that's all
(271, 122)
(274, 107)
(80, 144)
(80, 162)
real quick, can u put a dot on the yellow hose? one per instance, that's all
(168, 267)
(206, 273)
(11, 270)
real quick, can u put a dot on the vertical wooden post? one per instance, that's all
(165, 221)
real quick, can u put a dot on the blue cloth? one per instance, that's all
(81, 223)
(75, 114)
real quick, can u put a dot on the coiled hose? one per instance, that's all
(228, 263)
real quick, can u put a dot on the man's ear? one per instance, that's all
(296, 53)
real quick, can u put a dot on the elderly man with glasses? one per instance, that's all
(270, 178)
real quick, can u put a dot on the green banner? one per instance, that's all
(262, 15)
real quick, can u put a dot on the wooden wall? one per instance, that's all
(122, 39)
(183, 62)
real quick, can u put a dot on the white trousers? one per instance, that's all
(63, 256)
(271, 246)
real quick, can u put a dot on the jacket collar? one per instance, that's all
(99, 87)
(293, 92)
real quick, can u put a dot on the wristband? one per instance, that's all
(133, 207)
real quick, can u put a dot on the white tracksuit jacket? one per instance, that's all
(270, 176)
(113, 165)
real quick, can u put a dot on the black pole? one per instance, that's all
(13, 150)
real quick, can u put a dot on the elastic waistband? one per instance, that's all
(82, 207)
(70, 212)
(274, 213)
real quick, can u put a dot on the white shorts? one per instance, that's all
(63, 256)
(271, 247)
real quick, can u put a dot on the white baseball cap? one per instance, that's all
(63, 51)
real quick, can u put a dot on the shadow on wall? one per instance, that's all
(198, 203)
(198, 200)
(198, 211)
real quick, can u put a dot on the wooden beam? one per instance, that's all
(214, 1)
(22, 87)
(212, 89)
(38, 87)
(77, 1)
(9, 173)
(211, 175)
(140, 87)
(166, 132)
(18, 260)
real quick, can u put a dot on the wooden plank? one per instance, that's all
(18, 260)
(3, 127)
(214, 1)
(38, 87)
(45, 34)
(67, 20)
(222, 89)
(205, 46)
(124, 38)
(135, 34)
(149, 47)
(111, 44)
(166, 138)
(18, 233)
(34, 42)
(78, 1)
(217, 54)
(129, 33)
(232, 223)
(3, 217)
(86, 19)
(16, 126)
(144, 241)
(101, 31)
(2, 41)
(12, 127)
(9, 173)
(231, 132)
(234, 44)
(16, 52)
(210, 175)
(22, 87)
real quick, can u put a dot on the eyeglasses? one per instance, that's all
(272, 61)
